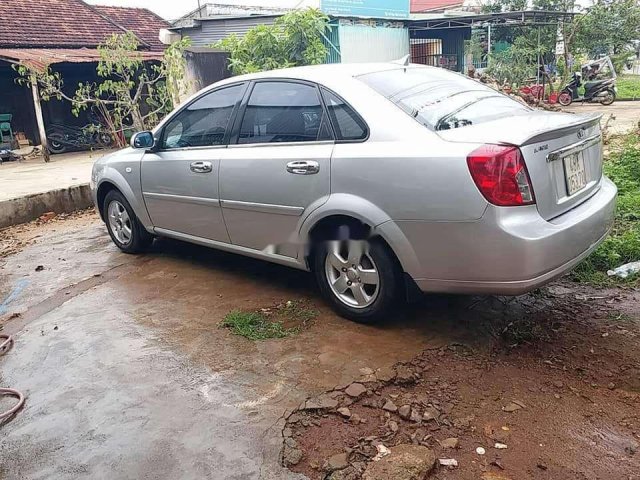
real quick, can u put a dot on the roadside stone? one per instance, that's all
(463, 422)
(418, 436)
(291, 456)
(355, 390)
(345, 412)
(404, 375)
(511, 407)
(415, 416)
(448, 462)
(370, 402)
(291, 442)
(405, 412)
(321, 402)
(389, 406)
(366, 371)
(405, 462)
(430, 414)
(450, 443)
(339, 461)
(349, 473)
(393, 426)
(385, 374)
(47, 216)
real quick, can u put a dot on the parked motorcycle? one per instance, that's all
(599, 87)
(63, 138)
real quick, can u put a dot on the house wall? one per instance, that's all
(372, 43)
(209, 32)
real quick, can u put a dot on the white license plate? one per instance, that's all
(575, 173)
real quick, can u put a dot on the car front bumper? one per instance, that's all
(509, 251)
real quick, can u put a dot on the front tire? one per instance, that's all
(565, 98)
(124, 228)
(360, 279)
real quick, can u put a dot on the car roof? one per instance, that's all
(320, 73)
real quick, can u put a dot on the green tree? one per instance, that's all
(294, 39)
(517, 64)
(608, 27)
(129, 92)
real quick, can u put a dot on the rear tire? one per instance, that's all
(124, 228)
(56, 144)
(361, 279)
(609, 99)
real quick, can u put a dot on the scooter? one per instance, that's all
(596, 91)
(599, 85)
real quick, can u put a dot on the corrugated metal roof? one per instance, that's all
(40, 58)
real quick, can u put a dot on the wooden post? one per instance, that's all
(40, 119)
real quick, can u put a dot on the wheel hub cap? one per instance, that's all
(352, 274)
(120, 223)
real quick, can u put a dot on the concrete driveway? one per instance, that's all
(128, 375)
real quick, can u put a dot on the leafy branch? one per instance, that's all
(130, 92)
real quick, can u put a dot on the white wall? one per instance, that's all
(361, 43)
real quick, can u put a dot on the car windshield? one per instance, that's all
(441, 100)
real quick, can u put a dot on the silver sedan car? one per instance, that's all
(378, 178)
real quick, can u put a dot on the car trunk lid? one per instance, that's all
(563, 154)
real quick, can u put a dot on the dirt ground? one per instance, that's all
(128, 374)
(566, 363)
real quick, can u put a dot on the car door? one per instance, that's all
(277, 165)
(180, 176)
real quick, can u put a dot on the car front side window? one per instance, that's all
(284, 112)
(204, 123)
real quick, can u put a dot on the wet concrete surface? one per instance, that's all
(128, 375)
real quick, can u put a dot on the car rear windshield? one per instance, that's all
(442, 100)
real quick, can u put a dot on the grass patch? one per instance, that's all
(623, 245)
(628, 87)
(279, 321)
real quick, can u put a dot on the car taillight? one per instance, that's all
(501, 175)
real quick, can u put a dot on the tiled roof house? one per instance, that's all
(65, 34)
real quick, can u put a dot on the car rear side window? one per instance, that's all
(347, 124)
(204, 123)
(442, 100)
(284, 112)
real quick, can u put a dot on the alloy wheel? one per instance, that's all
(120, 222)
(351, 273)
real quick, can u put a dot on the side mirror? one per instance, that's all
(142, 140)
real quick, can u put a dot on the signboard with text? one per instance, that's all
(398, 9)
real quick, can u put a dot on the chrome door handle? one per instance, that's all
(303, 167)
(201, 167)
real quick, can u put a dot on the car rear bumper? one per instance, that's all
(508, 251)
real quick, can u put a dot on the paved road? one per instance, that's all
(128, 375)
(627, 114)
